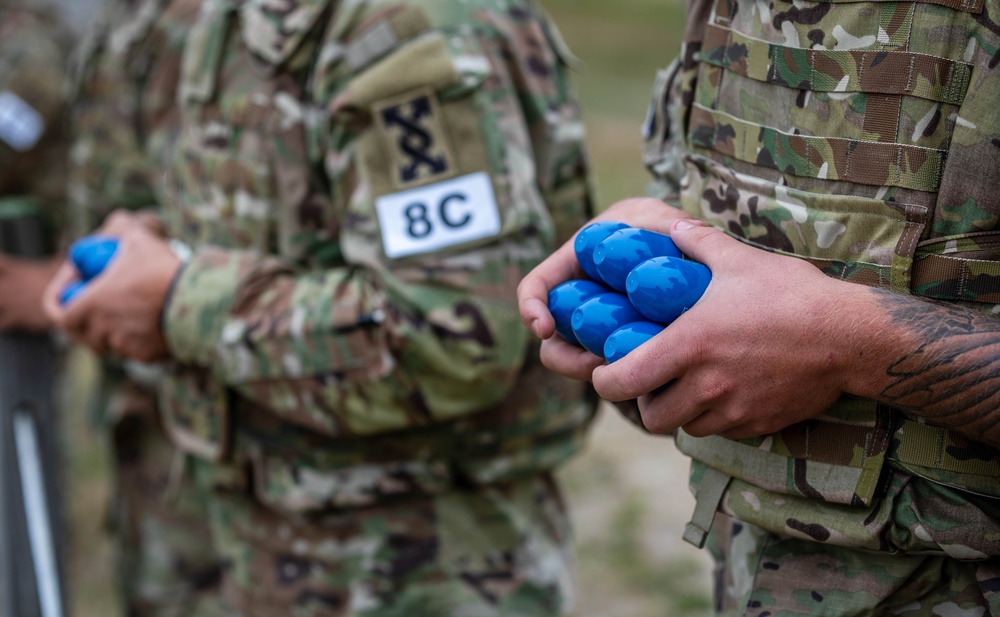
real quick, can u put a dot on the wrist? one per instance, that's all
(866, 340)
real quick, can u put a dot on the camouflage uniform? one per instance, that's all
(126, 82)
(862, 137)
(34, 51)
(363, 184)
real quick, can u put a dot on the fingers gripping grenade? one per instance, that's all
(640, 283)
(90, 255)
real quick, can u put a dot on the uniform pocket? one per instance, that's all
(857, 239)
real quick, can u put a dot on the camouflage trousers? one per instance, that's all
(167, 566)
(921, 527)
(499, 550)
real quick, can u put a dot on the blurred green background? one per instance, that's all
(628, 492)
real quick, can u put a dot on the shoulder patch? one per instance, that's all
(417, 144)
(20, 125)
(436, 216)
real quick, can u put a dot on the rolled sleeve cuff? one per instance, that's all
(198, 306)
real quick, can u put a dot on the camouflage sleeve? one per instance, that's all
(453, 154)
(34, 53)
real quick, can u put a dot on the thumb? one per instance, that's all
(702, 242)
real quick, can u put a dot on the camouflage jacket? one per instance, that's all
(862, 137)
(34, 50)
(363, 184)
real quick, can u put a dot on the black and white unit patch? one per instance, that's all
(417, 144)
(436, 216)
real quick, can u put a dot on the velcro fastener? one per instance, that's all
(374, 41)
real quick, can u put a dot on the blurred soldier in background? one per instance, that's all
(123, 112)
(363, 184)
(34, 52)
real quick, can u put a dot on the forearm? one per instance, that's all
(935, 361)
(347, 350)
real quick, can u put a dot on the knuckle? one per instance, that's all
(698, 430)
(654, 422)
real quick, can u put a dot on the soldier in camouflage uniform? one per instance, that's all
(838, 387)
(34, 51)
(125, 83)
(362, 183)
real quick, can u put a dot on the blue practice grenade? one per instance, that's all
(595, 320)
(90, 255)
(663, 288)
(565, 298)
(70, 291)
(587, 240)
(623, 340)
(619, 253)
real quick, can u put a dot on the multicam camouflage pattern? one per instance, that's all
(455, 553)
(862, 137)
(125, 86)
(167, 564)
(762, 574)
(35, 46)
(333, 337)
(329, 388)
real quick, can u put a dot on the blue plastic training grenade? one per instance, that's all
(587, 240)
(616, 255)
(564, 299)
(663, 288)
(70, 291)
(625, 339)
(595, 320)
(90, 255)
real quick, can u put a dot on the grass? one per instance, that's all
(621, 45)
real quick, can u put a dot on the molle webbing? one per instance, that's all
(823, 70)
(940, 448)
(711, 488)
(830, 158)
(967, 6)
(843, 463)
(947, 277)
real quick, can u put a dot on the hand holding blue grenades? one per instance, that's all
(659, 283)
(90, 255)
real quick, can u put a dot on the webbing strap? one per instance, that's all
(935, 447)
(947, 277)
(828, 70)
(829, 158)
(710, 490)
(968, 6)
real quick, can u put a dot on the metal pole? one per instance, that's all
(31, 534)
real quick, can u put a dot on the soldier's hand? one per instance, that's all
(22, 283)
(765, 347)
(119, 311)
(561, 266)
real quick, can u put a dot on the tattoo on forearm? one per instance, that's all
(953, 376)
